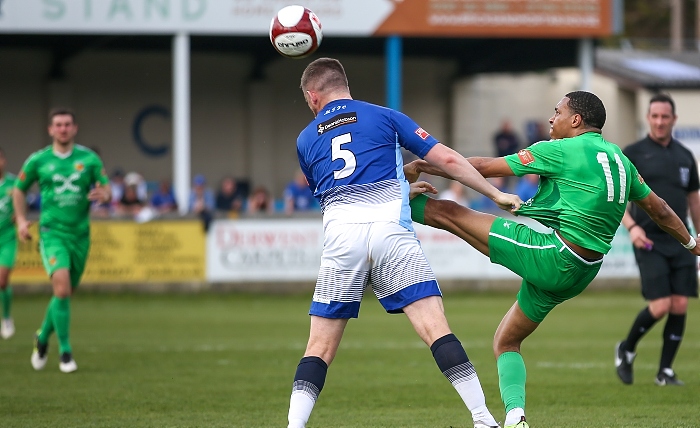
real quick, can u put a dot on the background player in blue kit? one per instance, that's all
(351, 156)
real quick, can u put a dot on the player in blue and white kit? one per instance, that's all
(351, 156)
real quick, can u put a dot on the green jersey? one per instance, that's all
(7, 224)
(585, 184)
(64, 181)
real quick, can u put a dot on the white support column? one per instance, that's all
(676, 25)
(585, 62)
(697, 25)
(181, 120)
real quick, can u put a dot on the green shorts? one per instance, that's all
(8, 253)
(552, 273)
(62, 251)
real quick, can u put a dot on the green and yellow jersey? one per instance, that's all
(7, 224)
(64, 182)
(585, 184)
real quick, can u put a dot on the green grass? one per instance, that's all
(229, 360)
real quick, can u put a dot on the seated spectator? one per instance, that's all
(298, 196)
(228, 197)
(136, 179)
(260, 201)
(116, 183)
(456, 192)
(163, 200)
(130, 204)
(201, 201)
(527, 186)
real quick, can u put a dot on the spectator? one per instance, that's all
(163, 200)
(298, 196)
(505, 140)
(260, 201)
(116, 183)
(455, 192)
(136, 179)
(201, 200)
(228, 197)
(129, 204)
(539, 133)
(527, 186)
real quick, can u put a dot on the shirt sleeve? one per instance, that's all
(545, 158)
(694, 182)
(99, 173)
(638, 188)
(411, 136)
(27, 175)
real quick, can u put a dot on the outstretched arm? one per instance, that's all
(458, 168)
(663, 215)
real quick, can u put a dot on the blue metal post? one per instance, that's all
(394, 47)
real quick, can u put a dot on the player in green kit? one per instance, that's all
(585, 184)
(70, 177)
(8, 248)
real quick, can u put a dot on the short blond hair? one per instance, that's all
(324, 75)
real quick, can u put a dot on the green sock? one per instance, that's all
(47, 324)
(60, 313)
(418, 208)
(511, 380)
(6, 295)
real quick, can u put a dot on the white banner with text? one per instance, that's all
(290, 250)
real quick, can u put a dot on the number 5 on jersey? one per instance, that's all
(346, 155)
(605, 163)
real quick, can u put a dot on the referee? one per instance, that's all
(668, 271)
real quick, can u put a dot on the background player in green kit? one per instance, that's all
(70, 176)
(8, 248)
(584, 188)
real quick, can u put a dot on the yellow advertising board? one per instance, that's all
(127, 252)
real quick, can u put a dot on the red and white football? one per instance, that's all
(295, 31)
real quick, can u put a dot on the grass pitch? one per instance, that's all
(229, 360)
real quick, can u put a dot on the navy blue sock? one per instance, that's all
(310, 376)
(452, 359)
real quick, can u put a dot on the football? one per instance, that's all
(295, 32)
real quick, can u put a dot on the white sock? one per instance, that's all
(473, 396)
(513, 417)
(300, 407)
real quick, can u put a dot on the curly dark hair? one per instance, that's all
(589, 106)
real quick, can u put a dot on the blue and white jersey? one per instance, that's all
(351, 156)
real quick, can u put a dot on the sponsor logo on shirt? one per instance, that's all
(52, 260)
(66, 183)
(422, 133)
(640, 178)
(336, 121)
(525, 157)
(685, 175)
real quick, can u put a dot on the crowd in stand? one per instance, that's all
(134, 197)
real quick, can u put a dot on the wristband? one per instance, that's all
(633, 226)
(691, 244)
(418, 208)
